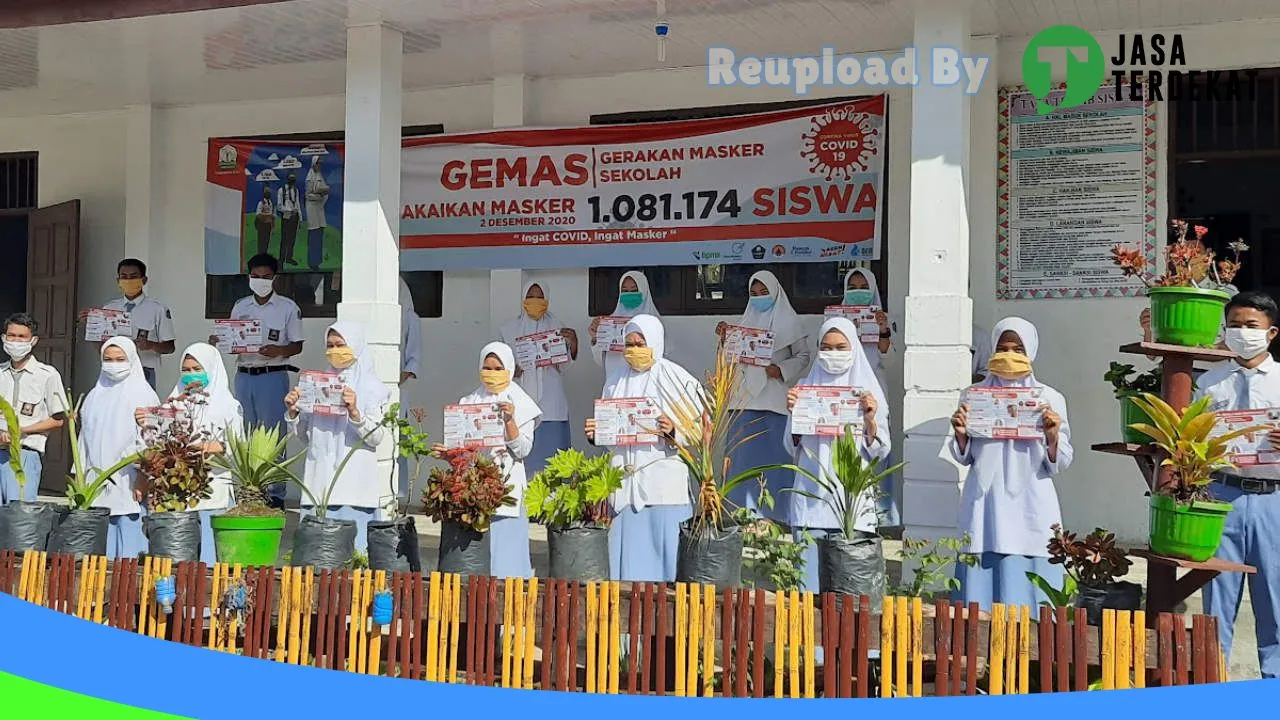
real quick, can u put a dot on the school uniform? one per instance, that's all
(611, 360)
(545, 386)
(287, 205)
(262, 382)
(890, 503)
(410, 362)
(151, 321)
(317, 196)
(263, 223)
(36, 393)
(1252, 533)
(763, 420)
(1009, 501)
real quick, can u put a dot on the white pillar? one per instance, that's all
(140, 185)
(371, 206)
(505, 284)
(938, 310)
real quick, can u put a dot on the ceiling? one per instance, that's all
(296, 48)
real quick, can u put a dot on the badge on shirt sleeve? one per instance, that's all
(273, 336)
(142, 334)
(167, 314)
(28, 409)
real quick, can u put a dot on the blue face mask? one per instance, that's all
(762, 303)
(859, 297)
(198, 378)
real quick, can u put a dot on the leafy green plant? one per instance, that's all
(468, 491)
(931, 561)
(251, 458)
(769, 550)
(14, 431)
(175, 469)
(1057, 597)
(358, 561)
(1192, 449)
(1125, 384)
(849, 480)
(84, 488)
(573, 490)
(412, 443)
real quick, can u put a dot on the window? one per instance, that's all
(318, 294)
(722, 289)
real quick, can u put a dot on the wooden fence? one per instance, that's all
(611, 637)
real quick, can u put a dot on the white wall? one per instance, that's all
(84, 157)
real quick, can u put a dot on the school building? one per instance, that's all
(107, 110)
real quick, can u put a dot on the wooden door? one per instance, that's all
(53, 248)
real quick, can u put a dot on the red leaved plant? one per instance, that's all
(468, 491)
(1188, 263)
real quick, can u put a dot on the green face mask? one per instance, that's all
(631, 300)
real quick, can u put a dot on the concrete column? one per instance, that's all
(371, 205)
(141, 186)
(938, 310)
(505, 284)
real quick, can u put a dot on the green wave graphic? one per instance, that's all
(23, 699)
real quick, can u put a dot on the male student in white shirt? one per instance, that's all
(262, 378)
(153, 330)
(290, 210)
(1252, 534)
(38, 397)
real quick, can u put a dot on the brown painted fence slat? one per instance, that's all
(1198, 657)
(1213, 651)
(1182, 656)
(942, 647)
(1080, 650)
(1045, 647)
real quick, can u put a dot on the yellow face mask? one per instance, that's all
(340, 357)
(130, 286)
(535, 307)
(1009, 365)
(639, 358)
(495, 381)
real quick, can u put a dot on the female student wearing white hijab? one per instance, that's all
(109, 432)
(410, 366)
(840, 364)
(509, 532)
(203, 390)
(356, 495)
(634, 299)
(764, 390)
(1009, 501)
(544, 385)
(860, 289)
(654, 498)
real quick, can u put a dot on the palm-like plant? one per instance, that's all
(84, 488)
(846, 482)
(251, 460)
(14, 429)
(1193, 451)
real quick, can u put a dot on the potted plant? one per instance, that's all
(175, 474)
(1091, 571)
(393, 544)
(249, 533)
(772, 559)
(1126, 387)
(849, 564)
(463, 497)
(571, 497)
(710, 544)
(932, 566)
(23, 525)
(1185, 520)
(1188, 300)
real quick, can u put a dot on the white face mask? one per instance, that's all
(17, 350)
(835, 361)
(1247, 343)
(115, 370)
(261, 286)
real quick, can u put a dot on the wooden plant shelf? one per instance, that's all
(1165, 590)
(1161, 350)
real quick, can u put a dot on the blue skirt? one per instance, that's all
(768, 447)
(643, 544)
(550, 438)
(1003, 579)
(509, 546)
(890, 501)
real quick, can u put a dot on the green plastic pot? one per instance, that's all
(249, 541)
(1187, 316)
(1191, 531)
(1130, 414)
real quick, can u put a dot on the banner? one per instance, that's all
(801, 185)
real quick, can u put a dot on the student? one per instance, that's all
(38, 397)
(544, 385)
(356, 495)
(108, 432)
(1251, 381)
(264, 222)
(860, 289)
(153, 331)
(840, 364)
(509, 532)
(634, 298)
(981, 351)
(410, 366)
(317, 224)
(262, 378)
(1009, 501)
(290, 213)
(654, 499)
(765, 393)
(204, 393)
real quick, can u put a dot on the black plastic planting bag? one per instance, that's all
(852, 566)
(80, 532)
(173, 535)
(326, 544)
(393, 546)
(463, 550)
(710, 556)
(27, 525)
(1116, 596)
(579, 553)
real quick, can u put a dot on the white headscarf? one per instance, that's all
(526, 414)
(780, 319)
(371, 393)
(642, 285)
(215, 411)
(1030, 341)
(806, 512)
(108, 430)
(871, 284)
(530, 379)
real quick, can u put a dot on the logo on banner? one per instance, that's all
(832, 251)
(841, 142)
(779, 251)
(228, 158)
(757, 252)
(801, 251)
